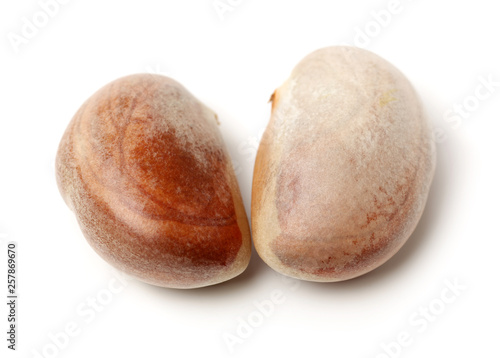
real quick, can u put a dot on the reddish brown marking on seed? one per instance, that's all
(371, 217)
(148, 200)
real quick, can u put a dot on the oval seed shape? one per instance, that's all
(344, 168)
(144, 168)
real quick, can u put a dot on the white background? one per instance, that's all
(233, 64)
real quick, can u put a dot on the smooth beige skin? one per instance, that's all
(344, 167)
